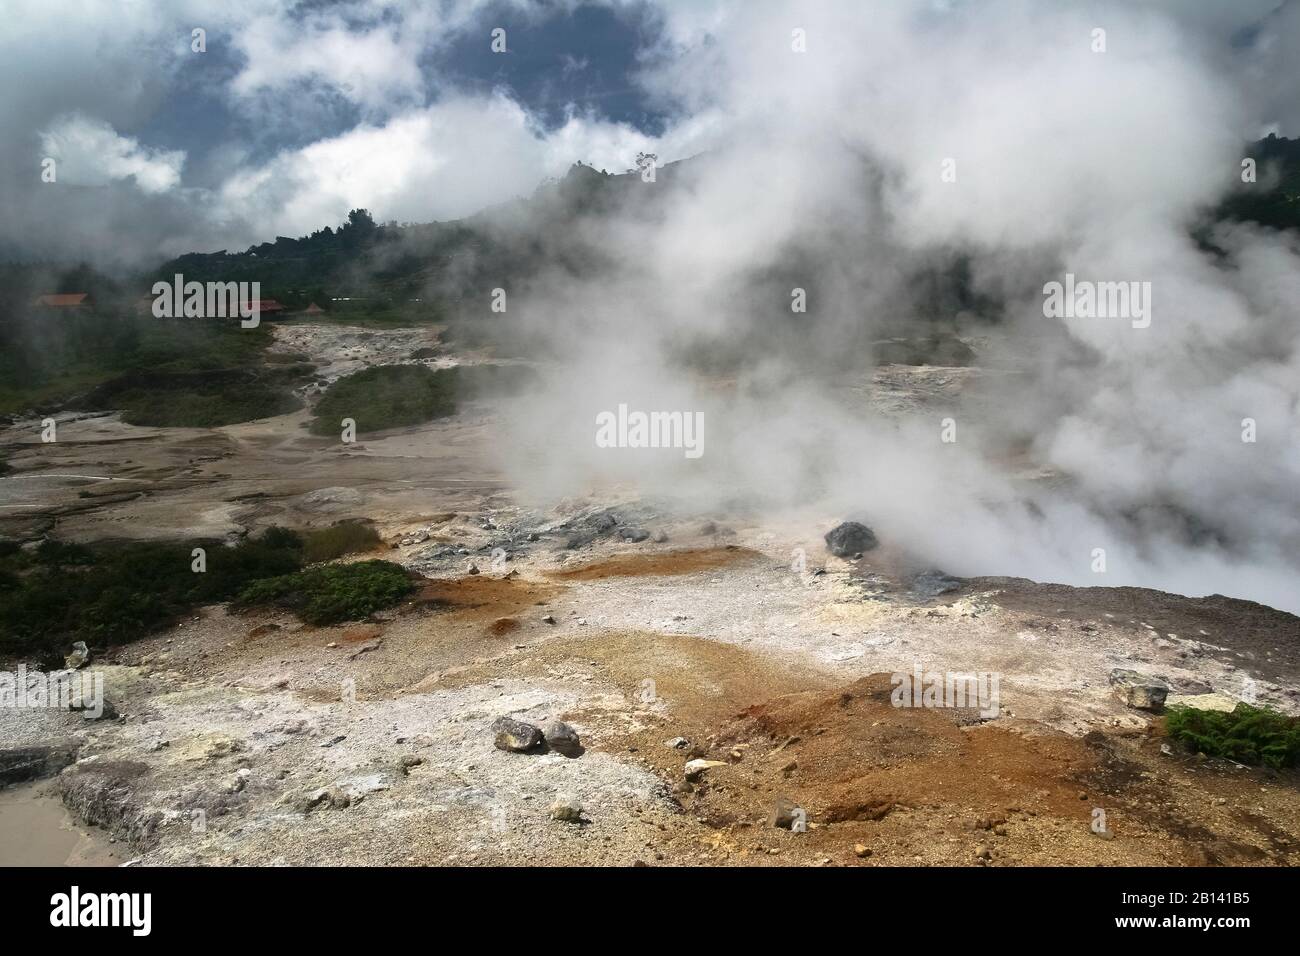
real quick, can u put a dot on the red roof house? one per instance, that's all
(63, 300)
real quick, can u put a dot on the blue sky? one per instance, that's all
(580, 59)
(299, 111)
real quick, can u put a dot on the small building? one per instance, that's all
(63, 300)
(313, 309)
(267, 307)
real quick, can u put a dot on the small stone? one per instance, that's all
(696, 768)
(78, 656)
(515, 735)
(677, 743)
(567, 809)
(549, 619)
(983, 853)
(861, 851)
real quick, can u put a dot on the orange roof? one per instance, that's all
(63, 299)
(313, 309)
(266, 305)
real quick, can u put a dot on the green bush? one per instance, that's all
(111, 593)
(346, 537)
(1253, 735)
(387, 396)
(331, 593)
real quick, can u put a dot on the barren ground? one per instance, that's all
(707, 634)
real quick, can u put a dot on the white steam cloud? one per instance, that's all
(826, 169)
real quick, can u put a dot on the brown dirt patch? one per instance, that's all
(477, 597)
(366, 632)
(662, 563)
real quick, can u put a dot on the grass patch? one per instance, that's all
(346, 537)
(1251, 735)
(331, 593)
(387, 396)
(109, 594)
(205, 403)
(50, 361)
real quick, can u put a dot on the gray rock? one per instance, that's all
(560, 737)
(602, 521)
(515, 735)
(78, 657)
(850, 539)
(933, 583)
(1138, 690)
(635, 535)
(329, 798)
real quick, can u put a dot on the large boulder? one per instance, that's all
(1139, 690)
(850, 539)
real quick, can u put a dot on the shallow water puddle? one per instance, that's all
(36, 829)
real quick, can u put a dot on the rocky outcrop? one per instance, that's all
(850, 539)
(21, 764)
(1138, 690)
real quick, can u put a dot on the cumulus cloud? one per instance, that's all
(445, 161)
(90, 152)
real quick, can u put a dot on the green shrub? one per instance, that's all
(1253, 735)
(111, 593)
(387, 396)
(346, 537)
(207, 398)
(330, 593)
